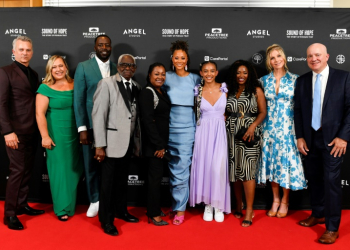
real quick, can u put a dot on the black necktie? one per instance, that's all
(128, 90)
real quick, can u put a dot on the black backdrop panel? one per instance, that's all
(220, 34)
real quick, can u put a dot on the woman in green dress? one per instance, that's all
(56, 122)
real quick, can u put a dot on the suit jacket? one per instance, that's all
(111, 117)
(335, 109)
(86, 77)
(155, 122)
(17, 101)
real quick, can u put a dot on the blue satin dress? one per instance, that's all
(181, 134)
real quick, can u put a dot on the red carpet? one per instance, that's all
(79, 232)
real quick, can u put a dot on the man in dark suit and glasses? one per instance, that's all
(322, 127)
(18, 85)
(116, 133)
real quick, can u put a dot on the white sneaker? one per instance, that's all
(219, 215)
(208, 213)
(93, 210)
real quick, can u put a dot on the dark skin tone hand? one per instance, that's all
(84, 138)
(100, 154)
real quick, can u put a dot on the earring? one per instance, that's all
(202, 81)
(173, 68)
(186, 67)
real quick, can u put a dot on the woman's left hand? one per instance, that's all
(249, 135)
(159, 153)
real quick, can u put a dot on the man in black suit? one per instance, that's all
(322, 126)
(18, 84)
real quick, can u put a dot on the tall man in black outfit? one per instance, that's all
(18, 84)
(322, 126)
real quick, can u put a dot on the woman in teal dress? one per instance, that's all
(179, 85)
(56, 122)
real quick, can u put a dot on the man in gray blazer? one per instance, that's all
(116, 132)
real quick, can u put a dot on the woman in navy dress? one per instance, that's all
(179, 85)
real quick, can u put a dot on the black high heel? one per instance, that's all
(157, 223)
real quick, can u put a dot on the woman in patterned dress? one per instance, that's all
(280, 161)
(245, 108)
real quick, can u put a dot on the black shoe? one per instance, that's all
(162, 214)
(127, 217)
(61, 217)
(110, 229)
(13, 222)
(29, 211)
(157, 223)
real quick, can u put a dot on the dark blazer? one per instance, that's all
(155, 122)
(17, 101)
(335, 110)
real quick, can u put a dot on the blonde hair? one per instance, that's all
(49, 80)
(268, 52)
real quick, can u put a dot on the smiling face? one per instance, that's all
(209, 72)
(317, 57)
(276, 60)
(179, 59)
(103, 48)
(23, 52)
(126, 67)
(242, 75)
(58, 69)
(157, 76)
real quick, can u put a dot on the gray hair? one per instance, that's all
(121, 57)
(21, 38)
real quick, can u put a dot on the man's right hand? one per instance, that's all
(302, 147)
(85, 138)
(11, 140)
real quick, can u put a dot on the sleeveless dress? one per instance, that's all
(181, 135)
(209, 171)
(242, 160)
(64, 163)
(280, 160)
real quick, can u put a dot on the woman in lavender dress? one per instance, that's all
(209, 173)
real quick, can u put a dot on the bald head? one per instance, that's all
(317, 57)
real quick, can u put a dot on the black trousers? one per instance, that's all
(21, 165)
(114, 187)
(324, 182)
(155, 174)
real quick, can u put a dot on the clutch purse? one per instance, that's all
(167, 156)
(249, 144)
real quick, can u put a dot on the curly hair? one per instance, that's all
(252, 81)
(179, 45)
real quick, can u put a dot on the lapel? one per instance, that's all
(96, 69)
(329, 88)
(21, 74)
(308, 91)
(124, 94)
(112, 68)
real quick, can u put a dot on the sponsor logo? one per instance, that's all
(133, 180)
(257, 58)
(210, 58)
(7, 177)
(165, 181)
(140, 57)
(344, 183)
(45, 177)
(340, 59)
(175, 32)
(300, 33)
(15, 32)
(54, 32)
(296, 59)
(47, 57)
(340, 34)
(92, 55)
(93, 32)
(258, 33)
(216, 33)
(134, 32)
(13, 57)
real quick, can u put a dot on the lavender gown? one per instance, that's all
(209, 172)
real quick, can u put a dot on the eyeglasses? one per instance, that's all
(130, 65)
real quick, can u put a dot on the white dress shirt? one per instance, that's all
(324, 79)
(104, 67)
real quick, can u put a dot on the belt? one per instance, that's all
(241, 114)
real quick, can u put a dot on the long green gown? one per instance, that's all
(64, 162)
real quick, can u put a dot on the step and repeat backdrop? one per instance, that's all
(219, 34)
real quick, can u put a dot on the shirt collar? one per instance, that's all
(124, 80)
(324, 72)
(99, 62)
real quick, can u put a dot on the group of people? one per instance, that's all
(246, 130)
